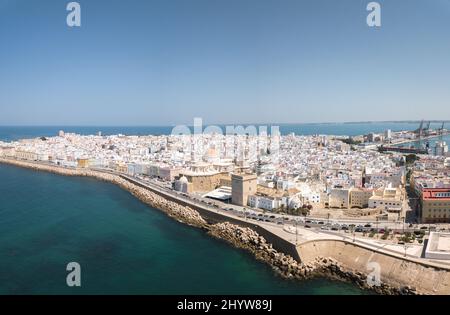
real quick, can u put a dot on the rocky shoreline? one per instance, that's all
(287, 267)
(240, 237)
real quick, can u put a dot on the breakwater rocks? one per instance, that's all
(241, 237)
(180, 213)
(287, 267)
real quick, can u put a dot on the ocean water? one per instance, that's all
(12, 133)
(122, 245)
(431, 142)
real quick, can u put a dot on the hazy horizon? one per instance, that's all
(189, 124)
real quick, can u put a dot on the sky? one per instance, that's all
(141, 62)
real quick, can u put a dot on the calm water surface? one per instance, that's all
(122, 245)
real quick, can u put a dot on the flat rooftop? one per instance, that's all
(436, 193)
(221, 193)
(444, 243)
(438, 246)
(244, 176)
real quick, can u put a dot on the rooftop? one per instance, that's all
(436, 193)
(438, 246)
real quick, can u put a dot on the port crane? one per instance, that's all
(419, 131)
(441, 130)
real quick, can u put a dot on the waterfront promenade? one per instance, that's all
(297, 234)
(283, 239)
(289, 231)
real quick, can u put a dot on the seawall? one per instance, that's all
(212, 218)
(333, 259)
(395, 271)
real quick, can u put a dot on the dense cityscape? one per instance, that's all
(225, 155)
(306, 179)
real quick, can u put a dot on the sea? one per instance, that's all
(122, 245)
(13, 133)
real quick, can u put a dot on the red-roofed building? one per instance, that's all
(435, 205)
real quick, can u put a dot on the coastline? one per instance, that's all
(241, 237)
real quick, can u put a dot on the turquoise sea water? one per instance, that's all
(350, 129)
(122, 245)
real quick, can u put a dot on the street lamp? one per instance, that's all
(404, 218)
(377, 225)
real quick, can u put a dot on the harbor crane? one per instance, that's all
(441, 130)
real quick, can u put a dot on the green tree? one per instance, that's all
(411, 158)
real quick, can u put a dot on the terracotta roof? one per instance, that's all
(430, 193)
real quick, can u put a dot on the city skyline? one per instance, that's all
(223, 124)
(147, 64)
(240, 150)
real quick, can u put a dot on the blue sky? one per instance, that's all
(165, 62)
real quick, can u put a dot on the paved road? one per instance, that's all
(275, 223)
(261, 216)
(296, 232)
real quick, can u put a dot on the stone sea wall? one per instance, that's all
(180, 213)
(289, 268)
(394, 270)
(315, 261)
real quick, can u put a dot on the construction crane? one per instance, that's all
(420, 130)
(441, 130)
